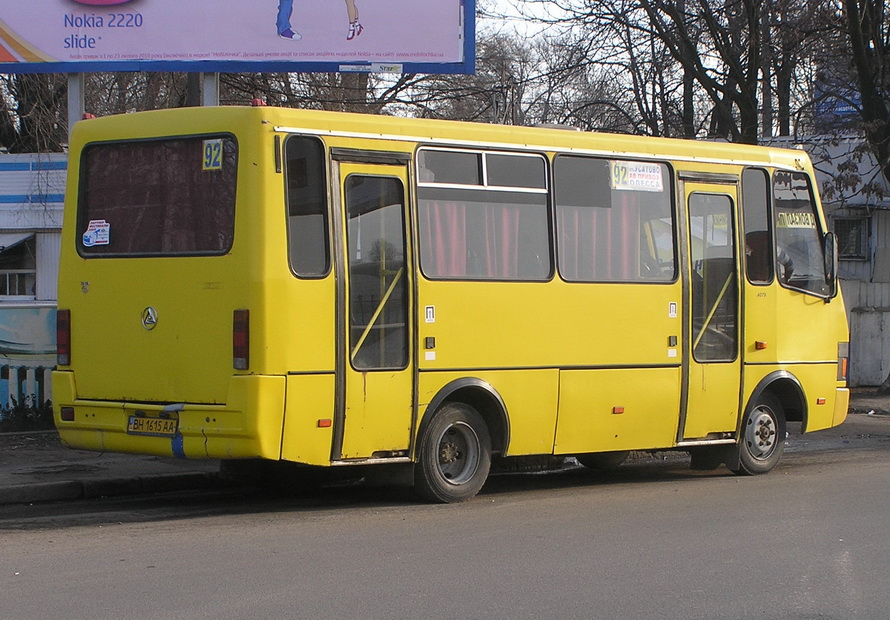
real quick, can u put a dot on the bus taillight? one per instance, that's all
(843, 360)
(63, 337)
(241, 339)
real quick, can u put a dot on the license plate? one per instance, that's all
(154, 427)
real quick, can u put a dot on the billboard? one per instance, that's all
(73, 36)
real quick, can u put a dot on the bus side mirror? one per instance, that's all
(829, 254)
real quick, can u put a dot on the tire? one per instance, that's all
(454, 455)
(762, 440)
(602, 461)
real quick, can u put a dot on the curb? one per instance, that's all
(110, 487)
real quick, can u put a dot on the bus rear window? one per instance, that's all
(158, 197)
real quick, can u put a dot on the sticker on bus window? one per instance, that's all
(98, 233)
(636, 176)
(213, 155)
(796, 220)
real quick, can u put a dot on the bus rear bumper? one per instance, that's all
(248, 425)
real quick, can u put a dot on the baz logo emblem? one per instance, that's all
(149, 318)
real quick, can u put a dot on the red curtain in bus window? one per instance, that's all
(470, 240)
(601, 244)
(444, 236)
(501, 228)
(629, 251)
(570, 240)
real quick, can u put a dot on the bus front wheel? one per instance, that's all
(454, 455)
(762, 439)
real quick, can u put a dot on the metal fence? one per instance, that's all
(23, 386)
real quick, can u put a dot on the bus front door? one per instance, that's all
(375, 368)
(713, 365)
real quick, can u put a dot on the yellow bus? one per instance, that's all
(335, 289)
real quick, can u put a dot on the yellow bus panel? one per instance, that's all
(617, 409)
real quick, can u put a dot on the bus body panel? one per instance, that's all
(825, 399)
(806, 328)
(301, 313)
(248, 426)
(530, 397)
(617, 409)
(308, 420)
(761, 339)
(186, 357)
(555, 324)
(822, 395)
(841, 406)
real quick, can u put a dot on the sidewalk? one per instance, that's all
(36, 467)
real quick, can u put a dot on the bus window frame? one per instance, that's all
(81, 189)
(281, 151)
(674, 210)
(546, 191)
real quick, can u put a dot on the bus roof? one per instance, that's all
(183, 121)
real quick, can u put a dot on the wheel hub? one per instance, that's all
(449, 453)
(458, 452)
(761, 433)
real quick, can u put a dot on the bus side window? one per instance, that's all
(307, 226)
(614, 220)
(483, 215)
(758, 241)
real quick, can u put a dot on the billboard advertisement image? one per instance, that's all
(68, 36)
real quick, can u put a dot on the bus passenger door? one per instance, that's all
(711, 352)
(375, 365)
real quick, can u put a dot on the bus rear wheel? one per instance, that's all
(762, 439)
(454, 455)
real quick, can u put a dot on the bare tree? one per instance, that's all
(33, 113)
(686, 60)
(868, 30)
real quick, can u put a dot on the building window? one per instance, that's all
(18, 265)
(852, 237)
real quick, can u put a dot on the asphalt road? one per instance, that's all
(653, 540)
